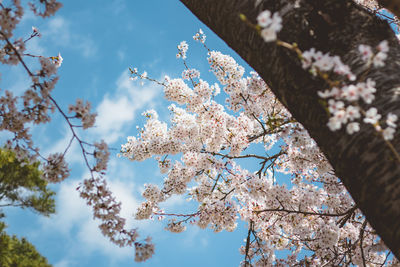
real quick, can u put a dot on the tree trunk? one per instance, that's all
(363, 161)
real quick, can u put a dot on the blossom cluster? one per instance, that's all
(144, 251)
(190, 74)
(317, 61)
(324, 65)
(58, 60)
(175, 227)
(101, 154)
(182, 48)
(56, 169)
(377, 59)
(82, 112)
(107, 209)
(371, 4)
(271, 24)
(346, 101)
(200, 36)
(205, 141)
(50, 7)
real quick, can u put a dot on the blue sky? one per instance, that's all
(99, 41)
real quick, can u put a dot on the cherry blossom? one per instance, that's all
(182, 48)
(200, 148)
(270, 25)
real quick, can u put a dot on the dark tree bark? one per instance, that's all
(363, 161)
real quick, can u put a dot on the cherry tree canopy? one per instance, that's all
(362, 161)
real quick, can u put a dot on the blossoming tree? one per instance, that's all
(314, 214)
(326, 70)
(363, 161)
(299, 73)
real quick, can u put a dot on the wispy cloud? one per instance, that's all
(59, 31)
(16, 81)
(71, 209)
(121, 54)
(63, 263)
(74, 153)
(118, 110)
(74, 219)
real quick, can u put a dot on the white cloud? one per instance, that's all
(125, 192)
(58, 30)
(33, 47)
(118, 7)
(89, 234)
(194, 237)
(74, 220)
(86, 45)
(113, 114)
(62, 263)
(17, 80)
(91, 239)
(28, 17)
(117, 112)
(174, 202)
(121, 54)
(71, 210)
(74, 153)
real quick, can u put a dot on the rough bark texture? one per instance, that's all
(363, 162)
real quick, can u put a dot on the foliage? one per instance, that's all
(15, 252)
(22, 185)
